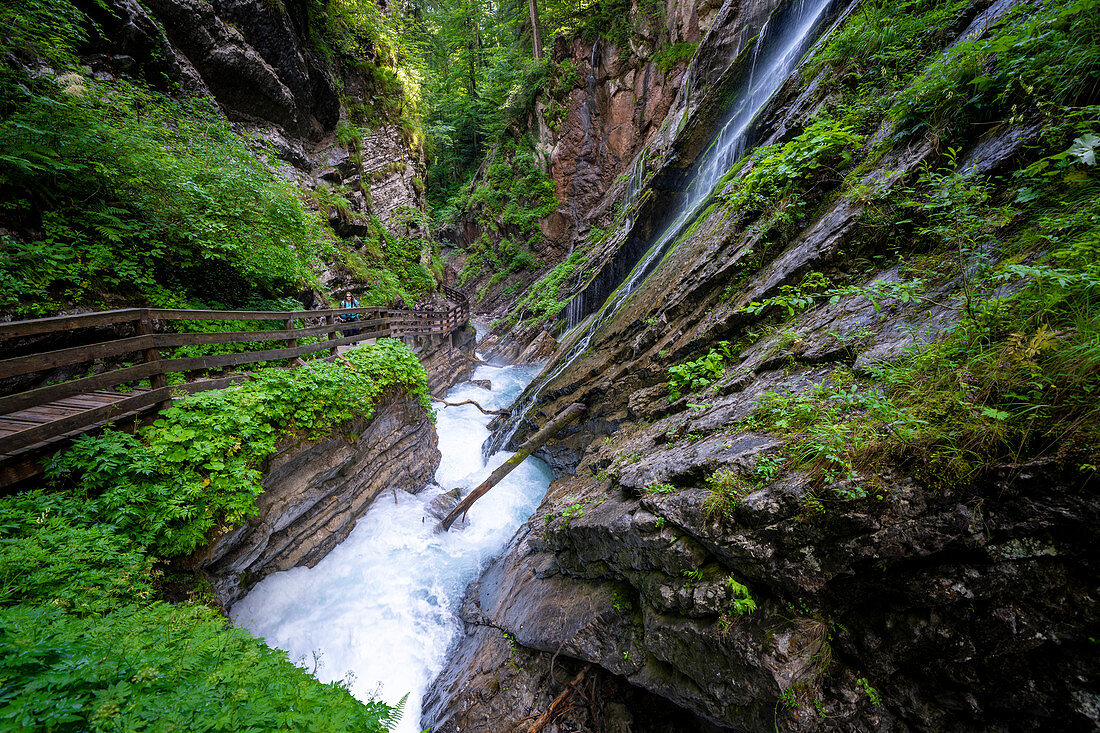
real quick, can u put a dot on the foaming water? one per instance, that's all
(379, 609)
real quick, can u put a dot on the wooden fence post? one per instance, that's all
(288, 325)
(331, 321)
(151, 354)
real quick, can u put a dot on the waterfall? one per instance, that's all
(778, 48)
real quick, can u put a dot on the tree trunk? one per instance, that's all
(536, 30)
(564, 417)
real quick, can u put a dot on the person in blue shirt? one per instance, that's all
(349, 301)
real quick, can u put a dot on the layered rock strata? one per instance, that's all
(932, 603)
(315, 492)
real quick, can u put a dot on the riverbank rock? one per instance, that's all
(448, 359)
(315, 492)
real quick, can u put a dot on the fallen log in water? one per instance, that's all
(471, 402)
(564, 417)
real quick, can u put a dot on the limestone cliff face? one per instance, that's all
(315, 492)
(934, 605)
(627, 119)
(624, 114)
(254, 59)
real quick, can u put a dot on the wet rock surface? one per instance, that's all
(932, 603)
(448, 359)
(314, 492)
(250, 56)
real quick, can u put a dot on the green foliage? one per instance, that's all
(871, 692)
(667, 58)
(1018, 376)
(791, 298)
(51, 554)
(779, 173)
(727, 489)
(545, 299)
(1041, 55)
(156, 667)
(118, 193)
(883, 43)
(85, 645)
(693, 376)
(198, 467)
(742, 601)
(46, 30)
(507, 204)
(574, 510)
(356, 34)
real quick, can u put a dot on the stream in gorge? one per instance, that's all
(379, 610)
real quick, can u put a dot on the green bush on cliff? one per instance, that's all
(1018, 376)
(199, 465)
(118, 194)
(692, 376)
(1043, 55)
(507, 206)
(544, 300)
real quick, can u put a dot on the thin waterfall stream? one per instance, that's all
(379, 610)
(775, 54)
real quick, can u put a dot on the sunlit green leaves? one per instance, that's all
(143, 198)
(200, 464)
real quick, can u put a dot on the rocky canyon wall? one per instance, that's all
(929, 601)
(256, 60)
(315, 492)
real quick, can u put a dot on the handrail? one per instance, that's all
(373, 322)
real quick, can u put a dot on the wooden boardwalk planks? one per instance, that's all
(33, 420)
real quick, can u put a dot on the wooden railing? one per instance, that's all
(22, 412)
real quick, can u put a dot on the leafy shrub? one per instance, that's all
(695, 375)
(779, 172)
(668, 57)
(84, 643)
(1040, 54)
(158, 667)
(123, 194)
(54, 555)
(545, 299)
(199, 465)
(727, 489)
(507, 205)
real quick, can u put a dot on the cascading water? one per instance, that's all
(779, 47)
(381, 605)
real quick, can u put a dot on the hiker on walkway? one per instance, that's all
(349, 301)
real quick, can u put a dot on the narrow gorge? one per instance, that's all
(824, 275)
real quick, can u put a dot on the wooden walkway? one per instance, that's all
(36, 421)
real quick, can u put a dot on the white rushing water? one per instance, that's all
(381, 605)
